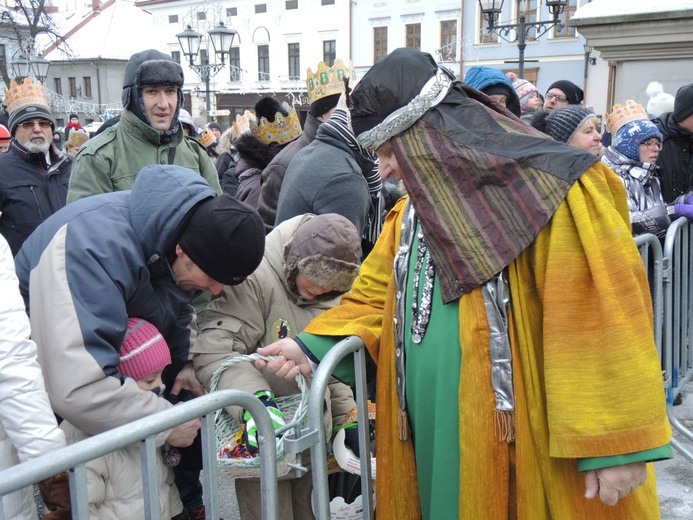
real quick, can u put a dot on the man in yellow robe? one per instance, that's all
(506, 241)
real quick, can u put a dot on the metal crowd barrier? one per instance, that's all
(74, 457)
(671, 281)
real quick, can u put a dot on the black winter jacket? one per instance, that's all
(30, 190)
(675, 161)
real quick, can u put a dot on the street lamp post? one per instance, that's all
(492, 8)
(222, 39)
(23, 67)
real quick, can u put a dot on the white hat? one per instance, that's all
(660, 102)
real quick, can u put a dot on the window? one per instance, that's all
(263, 65)
(173, 18)
(175, 55)
(58, 86)
(294, 61)
(379, 43)
(291, 4)
(448, 40)
(72, 83)
(562, 30)
(530, 13)
(413, 39)
(231, 11)
(87, 86)
(235, 64)
(201, 15)
(327, 2)
(329, 52)
(484, 35)
(260, 8)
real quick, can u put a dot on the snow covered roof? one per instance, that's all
(608, 8)
(116, 32)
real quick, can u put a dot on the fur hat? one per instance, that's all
(631, 135)
(660, 102)
(327, 250)
(522, 87)
(683, 103)
(4, 134)
(27, 100)
(77, 138)
(225, 238)
(153, 69)
(574, 93)
(144, 350)
(562, 123)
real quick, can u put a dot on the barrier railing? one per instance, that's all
(671, 282)
(73, 458)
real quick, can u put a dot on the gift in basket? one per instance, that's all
(232, 454)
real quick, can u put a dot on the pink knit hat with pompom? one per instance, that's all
(144, 350)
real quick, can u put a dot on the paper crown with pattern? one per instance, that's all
(206, 138)
(21, 95)
(242, 123)
(281, 131)
(624, 114)
(328, 81)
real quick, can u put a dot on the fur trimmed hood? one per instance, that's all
(327, 250)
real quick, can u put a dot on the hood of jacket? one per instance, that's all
(160, 200)
(482, 77)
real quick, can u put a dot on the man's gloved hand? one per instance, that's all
(55, 492)
(683, 210)
(267, 398)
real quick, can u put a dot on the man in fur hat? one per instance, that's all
(149, 132)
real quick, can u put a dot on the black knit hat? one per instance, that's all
(562, 123)
(225, 238)
(574, 93)
(683, 103)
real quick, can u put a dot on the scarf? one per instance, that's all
(339, 127)
(642, 186)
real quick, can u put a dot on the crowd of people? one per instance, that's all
(464, 229)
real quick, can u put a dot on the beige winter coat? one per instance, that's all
(253, 314)
(114, 483)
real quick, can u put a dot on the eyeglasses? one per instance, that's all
(29, 125)
(652, 144)
(558, 97)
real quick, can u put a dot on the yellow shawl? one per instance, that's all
(586, 374)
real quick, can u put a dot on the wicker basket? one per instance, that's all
(294, 407)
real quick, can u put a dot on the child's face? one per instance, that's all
(150, 382)
(74, 120)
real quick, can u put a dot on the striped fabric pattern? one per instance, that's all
(479, 206)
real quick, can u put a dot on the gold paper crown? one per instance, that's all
(624, 114)
(283, 130)
(328, 81)
(206, 138)
(23, 95)
(242, 123)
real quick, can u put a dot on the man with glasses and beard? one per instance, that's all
(35, 173)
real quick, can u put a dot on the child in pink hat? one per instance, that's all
(114, 481)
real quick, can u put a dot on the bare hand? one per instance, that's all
(615, 483)
(290, 359)
(183, 435)
(187, 380)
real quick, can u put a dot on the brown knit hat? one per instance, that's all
(327, 250)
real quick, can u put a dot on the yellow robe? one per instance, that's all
(586, 374)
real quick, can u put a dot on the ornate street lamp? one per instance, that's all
(517, 32)
(20, 67)
(40, 66)
(222, 39)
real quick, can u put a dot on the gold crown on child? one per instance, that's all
(21, 95)
(328, 81)
(623, 114)
(281, 131)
